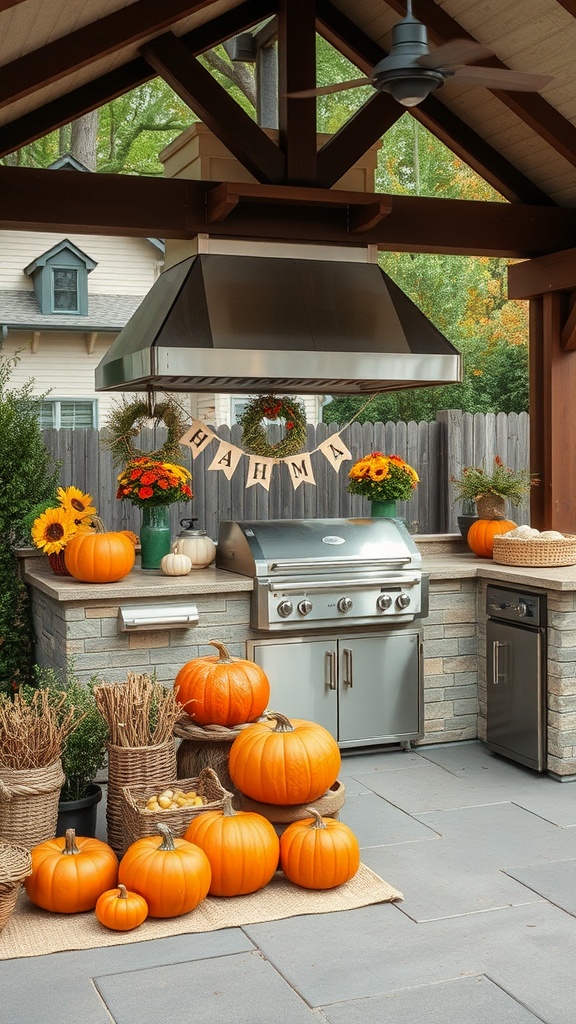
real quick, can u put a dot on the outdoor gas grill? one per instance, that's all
(322, 573)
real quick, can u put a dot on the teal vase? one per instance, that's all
(383, 509)
(155, 539)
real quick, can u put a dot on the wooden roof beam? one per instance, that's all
(297, 70)
(360, 131)
(216, 108)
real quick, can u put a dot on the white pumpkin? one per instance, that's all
(199, 548)
(174, 564)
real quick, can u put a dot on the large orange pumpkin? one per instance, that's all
(98, 556)
(319, 853)
(171, 874)
(481, 535)
(121, 910)
(284, 761)
(221, 690)
(242, 848)
(70, 873)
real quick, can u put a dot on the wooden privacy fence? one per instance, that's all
(438, 450)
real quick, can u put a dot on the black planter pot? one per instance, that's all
(80, 814)
(464, 524)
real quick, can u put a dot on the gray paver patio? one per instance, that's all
(485, 854)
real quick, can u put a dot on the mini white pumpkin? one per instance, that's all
(174, 564)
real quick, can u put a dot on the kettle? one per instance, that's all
(199, 547)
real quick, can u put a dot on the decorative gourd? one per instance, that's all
(69, 873)
(121, 910)
(481, 535)
(319, 853)
(242, 848)
(221, 690)
(284, 762)
(175, 565)
(96, 556)
(200, 549)
(171, 874)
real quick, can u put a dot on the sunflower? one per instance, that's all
(53, 529)
(76, 503)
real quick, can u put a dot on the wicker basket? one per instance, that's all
(15, 866)
(140, 822)
(205, 746)
(328, 805)
(29, 804)
(535, 553)
(133, 766)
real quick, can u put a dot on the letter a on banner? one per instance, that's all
(260, 471)
(334, 449)
(197, 437)
(300, 470)
(226, 459)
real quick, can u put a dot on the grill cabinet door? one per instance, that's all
(303, 678)
(379, 688)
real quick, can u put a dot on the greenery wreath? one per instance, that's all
(126, 422)
(273, 407)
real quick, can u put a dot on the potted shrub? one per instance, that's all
(491, 490)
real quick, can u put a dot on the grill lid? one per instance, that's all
(304, 547)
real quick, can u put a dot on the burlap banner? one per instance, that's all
(260, 468)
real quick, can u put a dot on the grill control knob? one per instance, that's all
(284, 609)
(305, 607)
(383, 602)
(344, 604)
(402, 601)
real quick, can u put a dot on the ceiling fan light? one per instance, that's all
(409, 90)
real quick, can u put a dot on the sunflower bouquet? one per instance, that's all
(381, 477)
(146, 482)
(54, 525)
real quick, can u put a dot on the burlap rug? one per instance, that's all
(34, 932)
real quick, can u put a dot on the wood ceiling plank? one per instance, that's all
(37, 123)
(5, 5)
(296, 71)
(107, 35)
(215, 107)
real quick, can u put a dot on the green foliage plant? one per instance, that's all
(502, 481)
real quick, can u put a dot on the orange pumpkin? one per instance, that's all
(284, 762)
(481, 535)
(319, 853)
(121, 910)
(99, 557)
(70, 873)
(221, 690)
(171, 874)
(242, 848)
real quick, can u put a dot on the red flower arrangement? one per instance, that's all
(146, 482)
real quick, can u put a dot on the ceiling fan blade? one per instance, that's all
(324, 90)
(454, 52)
(503, 78)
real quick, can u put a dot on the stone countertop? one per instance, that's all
(460, 565)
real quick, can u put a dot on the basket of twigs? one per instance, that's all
(140, 714)
(33, 727)
(175, 803)
(15, 866)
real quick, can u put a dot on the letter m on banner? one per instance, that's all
(300, 470)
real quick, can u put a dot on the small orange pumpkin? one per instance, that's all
(70, 873)
(96, 556)
(172, 875)
(221, 690)
(242, 848)
(284, 761)
(319, 853)
(131, 536)
(121, 910)
(481, 535)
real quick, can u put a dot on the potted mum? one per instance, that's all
(384, 480)
(491, 490)
(153, 486)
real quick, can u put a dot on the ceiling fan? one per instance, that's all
(411, 70)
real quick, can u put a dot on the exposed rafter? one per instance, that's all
(297, 70)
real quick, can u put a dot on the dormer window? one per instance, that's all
(60, 278)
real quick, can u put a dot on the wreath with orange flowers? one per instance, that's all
(272, 408)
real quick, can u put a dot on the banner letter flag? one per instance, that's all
(260, 471)
(300, 470)
(334, 449)
(226, 459)
(197, 437)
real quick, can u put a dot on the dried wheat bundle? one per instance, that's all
(33, 729)
(139, 712)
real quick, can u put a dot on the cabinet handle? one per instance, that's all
(330, 670)
(495, 666)
(348, 673)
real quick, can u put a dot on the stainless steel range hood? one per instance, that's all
(254, 324)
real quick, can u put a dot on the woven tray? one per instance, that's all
(15, 866)
(139, 822)
(535, 553)
(327, 805)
